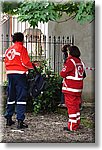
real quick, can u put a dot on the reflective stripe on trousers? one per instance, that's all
(72, 102)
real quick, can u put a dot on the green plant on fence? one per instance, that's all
(49, 99)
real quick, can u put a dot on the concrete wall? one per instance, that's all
(84, 39)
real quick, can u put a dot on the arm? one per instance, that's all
(25, 59)
(68, 67)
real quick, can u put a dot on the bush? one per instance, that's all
(50, 98)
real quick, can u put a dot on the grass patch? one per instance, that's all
(87, 123)
(62, 111)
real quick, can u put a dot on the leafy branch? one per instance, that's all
(43, 11)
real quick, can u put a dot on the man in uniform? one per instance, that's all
(17, 63)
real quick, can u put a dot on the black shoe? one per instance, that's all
(66, 129)
(9, 122)
(21, 125)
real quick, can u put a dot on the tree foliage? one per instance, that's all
(43, 11)
(10, 7)
(37, 12)
(85, 12)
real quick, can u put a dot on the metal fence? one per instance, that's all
(39, 44)
(41, 48)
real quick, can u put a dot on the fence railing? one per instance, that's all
(40, 48)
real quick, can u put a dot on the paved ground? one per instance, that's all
(48, 128)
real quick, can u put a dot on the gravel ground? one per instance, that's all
(48, 128)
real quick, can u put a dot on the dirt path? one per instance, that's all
(48, 128)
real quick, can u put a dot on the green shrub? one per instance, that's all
(50, 98)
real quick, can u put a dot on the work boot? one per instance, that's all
(21, 125)
(9, 122)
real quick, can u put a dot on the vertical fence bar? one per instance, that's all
(11, 40)
(10, 37)
(73, 39)
(7, 40)
(31, 47)
(36, 47)
(68, 40)
(39, 47)
(44, 38)
(54, 52)
(49, 50)
(63, 40)
(45, 46)
(26, 41)
(13, 25)
(2, 60)
(58, 53)
(25, 26)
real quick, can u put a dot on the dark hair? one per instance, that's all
(64, 48)
(17, 37)
(74, 51)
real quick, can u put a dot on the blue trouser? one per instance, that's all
(17, 93)
(62, 99)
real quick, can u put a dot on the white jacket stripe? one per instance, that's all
(14, 71)
(73, 78)
(76, 73)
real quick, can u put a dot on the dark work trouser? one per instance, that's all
(17, 94)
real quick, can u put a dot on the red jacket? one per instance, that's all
(17, 59)
(72, 73)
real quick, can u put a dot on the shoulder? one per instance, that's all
(11, 47)
(76, 60)
(22, 48)
(69, 63)
(69, 59)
